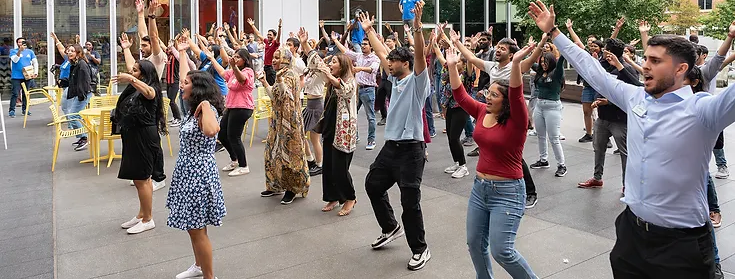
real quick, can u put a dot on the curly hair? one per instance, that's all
(504, 115)
(204, 88)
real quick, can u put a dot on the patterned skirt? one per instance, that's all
(312, 113)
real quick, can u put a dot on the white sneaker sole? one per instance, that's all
(460, 176)
(449, 171)
(231, 174)
(390, 239)
(422, 265)
(722, 176)
(131, 231)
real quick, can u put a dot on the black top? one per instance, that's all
(80, 80)
(611, 112)
(330, 116)
(135, 111)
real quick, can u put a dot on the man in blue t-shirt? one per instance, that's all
(357, 34)
(20, 58)
(406, 7)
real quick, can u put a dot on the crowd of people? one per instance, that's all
(478, 84)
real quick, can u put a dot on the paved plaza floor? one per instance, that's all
(66, 224)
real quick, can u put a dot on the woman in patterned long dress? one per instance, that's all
(195, 197)
(286, 169)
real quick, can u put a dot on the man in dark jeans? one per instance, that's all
(272, 42)
(20, 58)
(403, 156)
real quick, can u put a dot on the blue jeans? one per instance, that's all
(367, 97)
(493, 215)
(720, 157)
(429, 116)
(75, 106)
(547, 116)
(18, 90)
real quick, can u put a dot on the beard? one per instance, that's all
(483, 46)
(661, 86)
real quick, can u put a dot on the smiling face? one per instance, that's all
(88, 46)
(494, 99)
(277, 60)
(291, 47)
(544, 64)
(593, 47)
(70, 53)
(271, 36)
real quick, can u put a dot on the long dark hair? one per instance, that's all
(696, 75)
(550, 61)
(504, 115)
(204, 88)
(245, 57)
(149, 76)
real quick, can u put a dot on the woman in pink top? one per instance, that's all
(238, 109)
(497, 201)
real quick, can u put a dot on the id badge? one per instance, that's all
(345, 116)
(639, 110)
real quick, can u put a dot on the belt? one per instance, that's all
(365, 86)
(403, 142)
(649, 227)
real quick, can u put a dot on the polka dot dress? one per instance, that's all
(195, 197)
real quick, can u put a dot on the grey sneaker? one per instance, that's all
(468, 141)
(722, 172)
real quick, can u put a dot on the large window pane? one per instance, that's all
(207, 15)
(127, 22)
(98, 33)
(331, 9)
(34, 29)
(6, 43)
(182, 15)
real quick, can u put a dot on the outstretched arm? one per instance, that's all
(618, 26)
(418, 36)
(644, 28)
(59, 45)
(573, 34)
(129, 59)
(142, 27)
(251, 22)
(713, 66)
(528, 62)
(459, 93)
(378, 48)
(153, 28)
(474, 60)
(280, 27)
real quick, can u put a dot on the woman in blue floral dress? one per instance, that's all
(195, 197)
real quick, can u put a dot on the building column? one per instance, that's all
(171, 21)
(508, 19)
(194, 19)
(240, 20)
(436, 12)
(487, 14)
(83, 21)
(219, 15)
(17, 20)
(379, 12)
(50, 47)
(348, 14)
(462, 19)
(113, 44)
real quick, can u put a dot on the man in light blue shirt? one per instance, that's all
(20, 58)
(402, 158)
(665, 231)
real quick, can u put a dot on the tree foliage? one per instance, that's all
(599, 16)
(717, 22)
(685, 14)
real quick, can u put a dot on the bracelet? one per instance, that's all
(417, 29)
(152, 16)
(552, 30)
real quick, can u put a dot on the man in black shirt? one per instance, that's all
(611, 121)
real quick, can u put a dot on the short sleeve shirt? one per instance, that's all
(159, 61)
(407, 100)
(25, 60)
(240, 95)
(408, 5)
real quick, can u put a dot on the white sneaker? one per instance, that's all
(193, 271)
(461, 172)
(722, 172)
(418, 261)
(158, 185)
(239, 171)
(175, 123)
(132, 183)
(230, 166)
(131, 223)
(562, 137)
(141, 227)
(532, 133)
(453, 168)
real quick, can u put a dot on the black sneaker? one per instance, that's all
(219, 148)
(316, 170)
(718, 271)
(561, 171)
(386, 238)
(83, 143)
(531, 201)
(311, 164)
(268, 193)
(586, 138)
(474, 153)
(418, 261)
(77, 142)
(540, 165)
(381, 122)
(288, 198)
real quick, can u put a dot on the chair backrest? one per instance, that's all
(28, 93)
(105, 127)
(109, 88)
(56, 116)
(103, 101)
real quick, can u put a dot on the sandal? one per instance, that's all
(329, 207)
(345, 212)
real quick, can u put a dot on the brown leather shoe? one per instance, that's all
(590, 183)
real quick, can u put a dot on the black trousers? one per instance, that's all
(336, 178)
(158, 175)
(171, 90)
(230, 133)
(270, 74)
(456, 119)
(530, 186)
(403, 163)
(645, 250)
(381, 95)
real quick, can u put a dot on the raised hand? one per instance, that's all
(634, 42)
(280, 22)
(251, 21)
(612, 59)
(208, 53)
(643, 26)
(303, 35)
(418, 10)
(474, 39)
(620, 22)
(321, 24)
(530, 40)
(365, 20)
(452, 56)
(53, 36)
(185, 32)
(333, 36)
(454, 36)
(545, 18)
(226, 26)
(124, 42)
(139, 6)
(731, 30)
(490, 30)
(569, 23)
(153, 6)
(521, 54)
(390, 29)
(122, 77)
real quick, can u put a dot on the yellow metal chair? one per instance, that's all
(30, 102)
(262, 111)
(103, 101)
(61, 120)
(166, 108)
(104, 132)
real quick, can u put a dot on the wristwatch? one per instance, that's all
(152, 16)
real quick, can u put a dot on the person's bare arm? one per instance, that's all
(409, 37)
(339, 45)
(438, 54)
(378, 48)
(153, 28)
(528, 62)
(418, 37)
(471, 58)
(207, 119)
(142, 27)
(59, 46)
(129, 59)
(644, 28)
(727, 61)
(280, 28)
(235, 42)
(573, 34)
(618, 26)
(257, 33)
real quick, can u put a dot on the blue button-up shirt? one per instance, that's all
(670, 141)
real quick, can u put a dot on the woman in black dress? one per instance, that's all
(139, 114)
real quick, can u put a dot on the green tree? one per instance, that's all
(599, 16)
(717, 22)
(685, 14)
